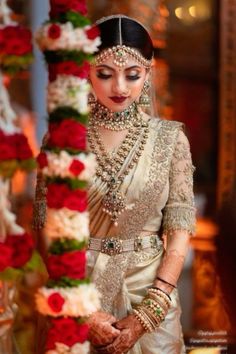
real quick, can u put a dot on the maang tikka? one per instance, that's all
(121, 52)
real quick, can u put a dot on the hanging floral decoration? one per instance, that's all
(16, 246)
(15, 48)
(68, 42)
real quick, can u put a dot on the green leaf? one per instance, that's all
(72, 183)
(8, 168)
(57, 56)
(65, 112)
(36, 263)
(65, 282)
(28, 165)
(11, 274)
(66, 245)
(76, 19)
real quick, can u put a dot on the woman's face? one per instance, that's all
(117, 88)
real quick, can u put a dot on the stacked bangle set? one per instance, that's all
(153, 309)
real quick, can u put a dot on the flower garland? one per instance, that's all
(67, 41)
(16, 246)
(15, 153)
(15, 43)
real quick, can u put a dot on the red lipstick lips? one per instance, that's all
(118, 99)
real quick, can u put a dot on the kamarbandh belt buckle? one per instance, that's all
(111, 246)
(138, 246)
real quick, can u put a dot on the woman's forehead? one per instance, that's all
(130, 63)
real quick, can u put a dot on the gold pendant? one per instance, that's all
(114, 204)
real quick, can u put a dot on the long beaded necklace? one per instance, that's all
(111, 168)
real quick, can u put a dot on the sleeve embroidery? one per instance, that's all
(179, 212)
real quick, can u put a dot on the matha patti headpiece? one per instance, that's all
(121, 52)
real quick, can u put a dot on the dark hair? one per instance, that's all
(134, 35)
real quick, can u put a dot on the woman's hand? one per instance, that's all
(130, 331)
(101, 331)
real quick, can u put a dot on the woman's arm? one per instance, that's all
(179, 216)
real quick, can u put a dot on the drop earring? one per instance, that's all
(144, 99)
(92, 99)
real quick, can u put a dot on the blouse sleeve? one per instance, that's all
(179, 212)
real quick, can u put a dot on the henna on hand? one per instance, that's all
(130, 331)
(101, 331)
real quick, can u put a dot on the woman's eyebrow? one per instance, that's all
(133, 67)
(105, 66)
(110, 68)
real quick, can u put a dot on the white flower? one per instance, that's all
(68, 90)
(67, 223)
(79, 301)
(59, 164)
(75, 349)
(70, 39)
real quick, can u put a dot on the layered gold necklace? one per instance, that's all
(111, 167)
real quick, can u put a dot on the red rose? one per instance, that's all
(69, 68)
(22, 146)
(78, 6)
(10, 32)
(74, 263)
(16, 46)
(54, 31)
(5, 256)
(67, 134)
(93, 32)
(42, 160)
(2, 41)
(55, 267)
(56, 193)
(56, 302)
(76, 200)
(7, 151)
(59, 196)
(76, 167)
(22, 246)
(66, 331)
(61, 6)
(57, 136)
(52, 337)
(71, 264)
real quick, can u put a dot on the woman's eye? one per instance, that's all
(133, 77)
(103, 76)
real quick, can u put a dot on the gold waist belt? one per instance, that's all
(113, 245)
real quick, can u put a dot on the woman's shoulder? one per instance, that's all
(165, 124)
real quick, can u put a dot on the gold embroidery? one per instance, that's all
(179, 213)
(109, 281)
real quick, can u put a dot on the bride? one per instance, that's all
(142, 190)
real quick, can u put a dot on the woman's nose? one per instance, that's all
(120, 86)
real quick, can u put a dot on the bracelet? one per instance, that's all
(166, 282)
(158, 299)
(158, 289)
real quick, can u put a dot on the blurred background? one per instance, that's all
(195, 61)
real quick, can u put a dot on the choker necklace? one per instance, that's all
(114, 120)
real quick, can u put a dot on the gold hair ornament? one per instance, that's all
(121, 54)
